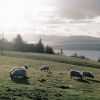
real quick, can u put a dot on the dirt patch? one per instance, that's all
(64, 87)
(42, 80)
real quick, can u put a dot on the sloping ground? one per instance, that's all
(57, 85)
(55, 58)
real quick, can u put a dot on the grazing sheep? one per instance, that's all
(87, 74)
(75, 74)
(45, 68)
(20, 72)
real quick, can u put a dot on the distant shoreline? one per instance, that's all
(91, 54)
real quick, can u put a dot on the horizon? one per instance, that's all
(42, 17)
(46, 39)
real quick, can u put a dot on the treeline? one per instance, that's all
(19, 45)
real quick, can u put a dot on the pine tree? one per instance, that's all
(49, 50)
(2, 44)
(39, 47)
(19, 43)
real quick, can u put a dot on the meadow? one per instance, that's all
(56, 85)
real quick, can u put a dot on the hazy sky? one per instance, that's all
(50, 17)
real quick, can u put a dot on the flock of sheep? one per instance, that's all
(81, 74)
(21, 72)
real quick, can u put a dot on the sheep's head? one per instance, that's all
(26, 67)
(41, 69)
(92, 75)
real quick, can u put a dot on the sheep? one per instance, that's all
(87, 74)
(75, 74)
(23, 67)
(45, 68)
(20, 72)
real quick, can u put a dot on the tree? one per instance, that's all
(30, 48)
(99, 60)
(2, 44)
(39, 47)
(61, 52)
(49, 50)
(75, 55)
(19, 44)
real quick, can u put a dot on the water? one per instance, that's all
(93, 55)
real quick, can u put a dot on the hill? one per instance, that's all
(79, 43)
(57, 85)
(55, 58)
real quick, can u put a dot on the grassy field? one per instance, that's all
(57, 85)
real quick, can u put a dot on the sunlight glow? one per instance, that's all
(45, 17)
(19, 15)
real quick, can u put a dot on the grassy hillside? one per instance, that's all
(57, 84)
(54, 58)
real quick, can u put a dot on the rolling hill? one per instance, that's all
(79, 43)
(57, 85)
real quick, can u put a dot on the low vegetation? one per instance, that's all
(81, 56)
(56, 85)
(55, 58)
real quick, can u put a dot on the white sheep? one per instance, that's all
(45, 68)
(20, 72)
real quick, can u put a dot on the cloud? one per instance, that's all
(78, 9)
(50, 17)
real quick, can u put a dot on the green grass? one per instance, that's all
(55, 58)
(58, 85)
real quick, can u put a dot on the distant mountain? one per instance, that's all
(34, 38)
(81, 39)
(79, 43)
(58, 42)
(47, 39)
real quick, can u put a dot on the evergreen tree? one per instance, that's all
(2, 44)
(39, 47)
(19, 43)
(49, 50)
